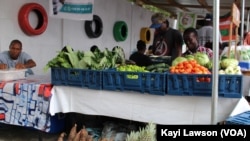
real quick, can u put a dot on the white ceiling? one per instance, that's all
(200, 7)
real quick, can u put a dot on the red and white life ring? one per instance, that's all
(23, 19)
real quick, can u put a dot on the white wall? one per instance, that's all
(62, 32)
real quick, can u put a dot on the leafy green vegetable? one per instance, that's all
(178, 60)
(96, 60)
(73, 57)
(201, 58)
(120, 54)
(228, 62)
(189, 57)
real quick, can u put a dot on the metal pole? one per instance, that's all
(216, 32)
(248, 15)
(242, 21)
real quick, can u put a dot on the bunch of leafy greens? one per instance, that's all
(97, 60)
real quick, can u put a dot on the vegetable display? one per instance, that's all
(97, 60)
(229, 66)
(189, 67)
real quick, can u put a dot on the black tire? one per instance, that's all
(97, 31)
(120, 31)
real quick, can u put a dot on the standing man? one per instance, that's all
(205, 33)
(168, 42)
(15, 58)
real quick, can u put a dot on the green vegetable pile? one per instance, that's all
(97, 60)
(159, 67)
(131, 68)
(229, 66)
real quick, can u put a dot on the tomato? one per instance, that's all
(207, 79)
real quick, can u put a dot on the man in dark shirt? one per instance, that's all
(167, 41)
(139, 57)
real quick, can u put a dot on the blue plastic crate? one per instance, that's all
(190, 84)
(153, 83)
(77, 77)
(230, 86)
(244, 65)
(240, 119)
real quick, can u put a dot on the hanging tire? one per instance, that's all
(120, 31)
(145, 35)
(23, 19)
(97, 31)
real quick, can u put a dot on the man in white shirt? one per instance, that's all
(205, 33)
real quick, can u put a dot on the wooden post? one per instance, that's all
(235, 21)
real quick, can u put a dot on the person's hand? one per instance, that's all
(3, 66)
(81, 135)
(20, 66)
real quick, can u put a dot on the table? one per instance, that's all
(25, 102)
(136, 106)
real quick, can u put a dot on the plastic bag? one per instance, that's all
(244, 53)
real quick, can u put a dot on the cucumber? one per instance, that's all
(150, 67)
(154, 67)
(162, 69)
(160, 65)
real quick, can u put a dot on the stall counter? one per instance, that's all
(141, 107)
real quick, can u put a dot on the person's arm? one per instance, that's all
(3, 66)
(29, 64)
(178, 43)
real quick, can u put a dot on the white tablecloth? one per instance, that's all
(136, 106)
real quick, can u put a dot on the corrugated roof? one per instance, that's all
(200, 7)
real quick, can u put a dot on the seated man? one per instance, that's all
(139, 57)
(14, 58)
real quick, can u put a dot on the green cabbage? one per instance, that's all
(201, 58)
(228, 62)
(189, 57)
(178, 60)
